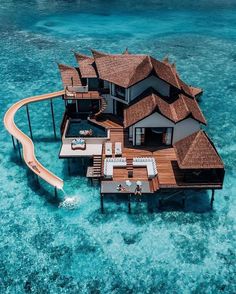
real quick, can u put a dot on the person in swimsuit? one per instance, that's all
(138, 191)
(120, 188)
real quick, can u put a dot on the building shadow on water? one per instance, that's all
(183, 201)
(35, 184)
(75, 167)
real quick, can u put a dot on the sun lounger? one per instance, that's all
(118, 149)
(108, 149)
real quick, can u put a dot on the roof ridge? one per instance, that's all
(199, 109)
(65, 65)
(98, 54)
(188, 111)
(135, 68)
(192, 144)
(173, 111)
(80, 56)
(212, 145)
(174, 73)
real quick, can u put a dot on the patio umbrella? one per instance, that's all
(128, 183)
(139, 183)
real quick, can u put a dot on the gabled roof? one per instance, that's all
(86, 65)
(165, 72)
(98, 54)
(197, 152)
(122, 69)
(196, 91)
(175, 111)
(69, 75)
(127, 69)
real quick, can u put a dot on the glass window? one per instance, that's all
(120, 92)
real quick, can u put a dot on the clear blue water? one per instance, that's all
(48, 249)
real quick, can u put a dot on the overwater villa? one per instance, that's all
(138, 123)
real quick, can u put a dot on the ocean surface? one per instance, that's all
(48, 247)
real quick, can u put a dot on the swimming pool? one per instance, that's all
(77, 125)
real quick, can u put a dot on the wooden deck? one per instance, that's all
(169, 175)
(90, 95)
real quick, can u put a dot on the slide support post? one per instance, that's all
(18, 145)
(13, 142)
(53, 120)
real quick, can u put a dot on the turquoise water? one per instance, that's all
(48, 248)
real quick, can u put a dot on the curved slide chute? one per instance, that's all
(27, 143)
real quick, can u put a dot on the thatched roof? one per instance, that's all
(197, 152)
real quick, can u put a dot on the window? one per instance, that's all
(93, 84)
(120, 92)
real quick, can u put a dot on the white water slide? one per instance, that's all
(27, 143)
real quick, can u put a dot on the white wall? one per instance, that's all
(185, 128)
(157, 84)
(181, 129)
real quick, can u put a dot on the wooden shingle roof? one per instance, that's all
(175, 111)
(86, 65)
(69, 75)
(197, 152)
(128, 69)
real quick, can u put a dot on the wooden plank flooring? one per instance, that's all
(169, 175)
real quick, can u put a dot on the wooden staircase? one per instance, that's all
(155, 184)
(102, 108)
(97, 166)
(129, 167)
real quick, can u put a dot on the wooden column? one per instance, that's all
(212, 197)
(13, 142)
(18, 145)
(183, 202)
(101, 202)
(28, 116)
(53, 120)
(129, 203)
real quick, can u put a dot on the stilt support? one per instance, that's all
(129, 203)
(68, 165)
(183, 202)
(53, 120)
(101, 200)
(18, 145)
(55, 191)
(13, 142)
(28, 116)
(212, 197)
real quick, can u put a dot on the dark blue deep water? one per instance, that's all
(46, 248)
